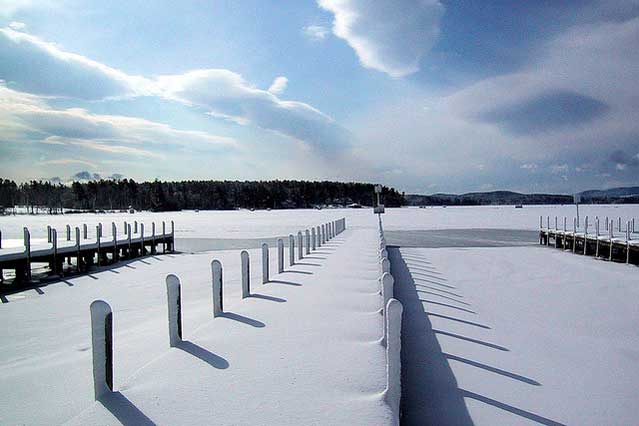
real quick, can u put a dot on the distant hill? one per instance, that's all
(608, 196)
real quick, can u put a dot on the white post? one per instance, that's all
(393, 326)
(597, 233)
(387, 288)
(300, 246)
(102, 343)
(174, 299)
(27, 249)
(265, 263)
(384, 265)
(585, 234)
(280, 256)
(313, 238)
(291, 249)
(216, 278)
(627, 242)
(246, 274)
(308, 242)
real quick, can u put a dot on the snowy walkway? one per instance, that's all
(517, 335)
(303, 350)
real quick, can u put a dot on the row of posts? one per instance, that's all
(102, 316)
(130, 244)
(609, 227)
(392, 311)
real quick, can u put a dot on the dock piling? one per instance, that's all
(246, 274)
(216, 278)
(102, 343)
(291, 250)
(265, 265)
(280, 256)
(174, 301)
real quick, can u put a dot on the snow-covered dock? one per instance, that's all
(304, 348)
(101, 251)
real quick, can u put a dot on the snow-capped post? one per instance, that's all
(610, 233)
(313, 238)
(383, 253)
(216, 278)
(97, 233)
(393, 326)
(264, 263)
(300, 246)
(387, 282)
(102, 344)
(68, 232)
(153, 238)
(135, 226)
(85, 231)
(128, 235)
(54, 243)
(174, 301)
(280, 256)
(627, 242)
(574, 234)
(114, 233)
(291, 249)
(172, 237)
(142, 239)
(585, 234)
(384, 265)
(246, 274)
(27, 250)
(77, 248)
(597, 234)
(163, 237)
(48, 234)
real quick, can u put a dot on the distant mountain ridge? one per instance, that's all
(629, 195)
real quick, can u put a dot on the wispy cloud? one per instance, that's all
(389, 36)
(316, 32)
(69, 162)
(279, 85)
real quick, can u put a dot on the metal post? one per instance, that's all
(291, 249)
(308, 242)
(313, 238)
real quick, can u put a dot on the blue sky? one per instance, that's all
(428, 96)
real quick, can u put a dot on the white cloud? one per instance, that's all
(316, 32)
(29, 117)
(389, 36)
(279, 85)
(69, 161)
(227, 95)
(17, 25)
(35, 66)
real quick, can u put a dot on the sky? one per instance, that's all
(427, 96)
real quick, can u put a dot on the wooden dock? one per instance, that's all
(606, 246)
(81, 252)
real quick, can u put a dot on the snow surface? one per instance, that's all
(305, 350)
(517, 335)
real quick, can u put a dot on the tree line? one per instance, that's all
(110, 194)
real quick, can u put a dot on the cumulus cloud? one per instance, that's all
(388, 36)
(316, 32)
(227, 95)
(278, 85)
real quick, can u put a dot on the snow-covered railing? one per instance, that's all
(392, 310)
(102, 317)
